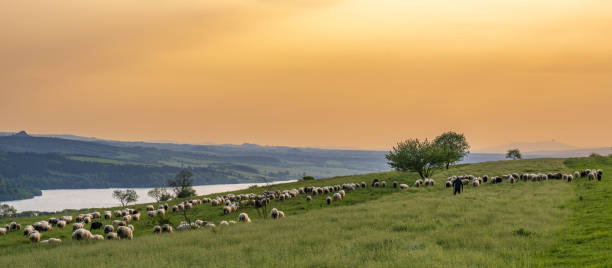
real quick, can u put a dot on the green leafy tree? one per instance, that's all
(125, 197)
(182, 184)
(454, 147)
(423, 157)
(514, 154)
(159, 194)
(308, 178)
(7, 211)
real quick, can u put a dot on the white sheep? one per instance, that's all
(243, 217)
(109, 229)
(166, 228)
(76, 226)
(81, 234)
(112, 236)
(51, 241)
(35, 237)
(157, 229)
(403, 186)
(108, 215)
(97, 237)
(61, 224)
(150, 208)
(3, 231)
(28, 229)
(124, 232)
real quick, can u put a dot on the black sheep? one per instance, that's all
(95, 225)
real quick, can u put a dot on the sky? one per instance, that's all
(334, 73)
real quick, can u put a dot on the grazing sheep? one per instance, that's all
(28, 229)
(599, 174)
(308, 198)
(95, 226)
(448, 184)
(3, 231)
(512, 179)
(42, 226)
(87, 219)
(67, 219)
(161, 211)
(476, 183)
(329, 199)
(112, 236)
(274, 213)
(35, 237)
(131, 227)
(76, 226)
(124, 232)
(81, 234)
(97, 237)
(166, 228)
(122, 223)
(152, 213)
(570, 178)
(591, 176)
(395, 184)
(150, 208)
(136, 217)
(337, 196)
(485, 178)
(224, 223)
(117, 213)
(243, 217)
(109, 229)
(403, 186)
(51, 241)
(227, 210)
(363, 184)
(157, 229)
(383, 184)
(127, 218)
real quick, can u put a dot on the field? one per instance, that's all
(526, 224)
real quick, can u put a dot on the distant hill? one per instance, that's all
(38, 162)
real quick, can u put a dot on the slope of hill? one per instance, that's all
(34, 162)
(547, 223)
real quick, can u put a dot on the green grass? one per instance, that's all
(527, 224)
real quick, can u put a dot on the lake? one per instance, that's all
(57, 200)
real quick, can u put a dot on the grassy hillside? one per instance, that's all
(526, 224)
(31, 163)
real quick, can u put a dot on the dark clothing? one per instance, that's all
(457, 184)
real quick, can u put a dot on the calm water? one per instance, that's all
(57, 200)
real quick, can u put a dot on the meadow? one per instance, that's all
(526, 224)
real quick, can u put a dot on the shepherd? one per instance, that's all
(457, 184)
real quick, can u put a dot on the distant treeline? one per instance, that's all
(9, 191)
(25, 172)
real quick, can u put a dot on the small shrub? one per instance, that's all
(308, 178)
(522, 232)
(400, 228)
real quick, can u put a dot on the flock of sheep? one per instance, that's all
(120, 228)
(515, 177)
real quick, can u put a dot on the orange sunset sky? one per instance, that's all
(335, 73)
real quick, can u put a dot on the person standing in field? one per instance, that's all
(457, 184)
